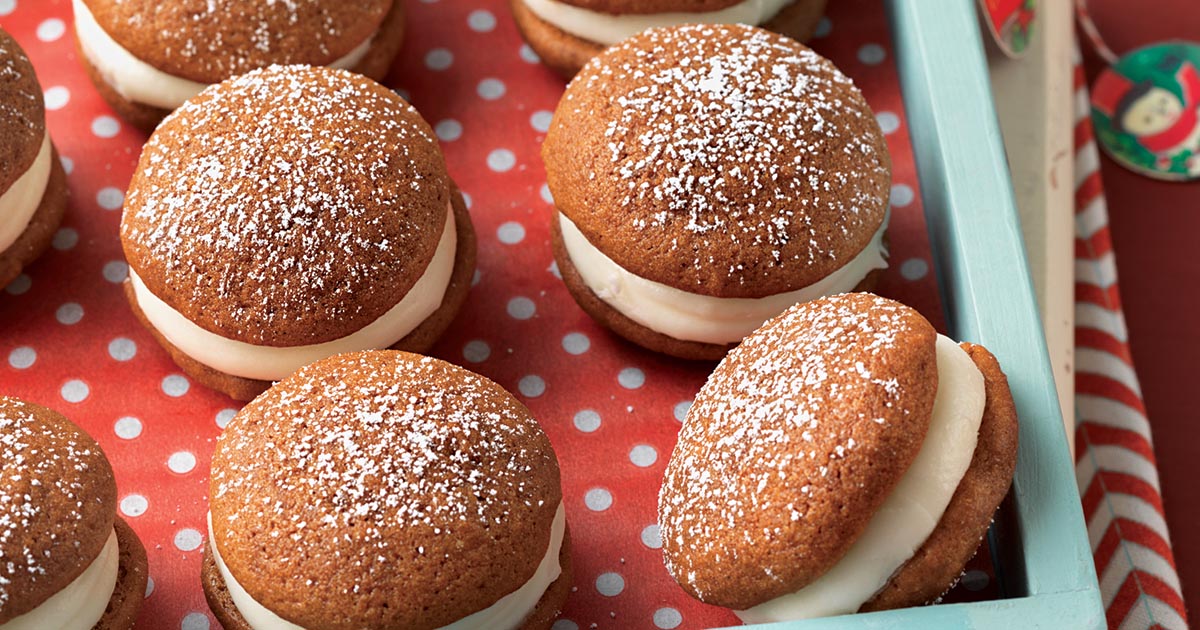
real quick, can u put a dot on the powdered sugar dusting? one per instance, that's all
(299, 192)
(380, 450)
(776, 425)
(40, 466)
(742, 138)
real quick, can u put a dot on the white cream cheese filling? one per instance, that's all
(703, 318)
(19, 203)
(910, 513)
(506, 614)
(608, 29)
(141, 82)
(270, 363)
(82, 602)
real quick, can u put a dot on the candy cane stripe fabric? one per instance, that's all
(1115, 465)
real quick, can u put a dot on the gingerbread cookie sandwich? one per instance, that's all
(567, 33)
(147, 57)
(66, 560)
(290, 214)
(845, 457)
(708, 177)
(33, 186)
(384, 489)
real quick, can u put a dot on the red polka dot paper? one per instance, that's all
(69, 341)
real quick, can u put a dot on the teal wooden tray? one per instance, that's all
(1044, 562)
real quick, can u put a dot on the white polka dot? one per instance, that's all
(501, 160)
(888, 122)
(181, 462)
(19, 285)
(194, 621)
(67, 163)
(631, 378)
(116, 271)
(527, 54)
(149, 585)
(110, 198)
(51, 29)
(531, 385)
(667, 618)
(402, 93)
(7, 6)
(477, 351)
(448, 130)
(544, 191)
(127, 428)
(65, 238)
(481, 21)
(439, 59)
(652, 536)
(476, 277)
(56, 97)
(902, 195)
(69, 314)
(540, 120)
(598, 499)
(553, 269)
(587, 420)
(824, 27)
(576, 343)
(105, 126)
(22, 357)
(521, 308)
(74, 391)
(643, 455)
(175, 385)
(975, 580)
(224, 416)
(134, 505)
(610, 584)
(681, 409)
(466, 199)
(914, 269)
(510, 233)
(188, 539)
(490, 89)
(872, 54)
(564, 624)
(122, 349)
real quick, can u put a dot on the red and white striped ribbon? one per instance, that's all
(1115, 465)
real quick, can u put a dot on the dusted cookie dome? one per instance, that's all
(288, 208)
(66, 560)
(147, 57)
(58, 500)
(33, 187)
(23, 114)
(383, 490)
(844, 457)
(708, 177)
(210, 42)
(722, 160)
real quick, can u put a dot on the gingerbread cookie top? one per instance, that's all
(370, 465)
(212, 40)
(291, 205)
(724, 160)
(22, 112)
(793, 443)
(58, 500)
